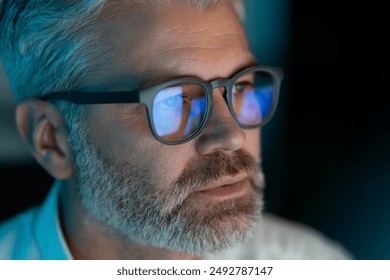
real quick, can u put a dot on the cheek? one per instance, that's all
(121, 132)
(133, 142)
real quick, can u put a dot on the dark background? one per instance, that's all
(333, 172)
(326, 152)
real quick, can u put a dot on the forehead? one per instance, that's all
(165, 41)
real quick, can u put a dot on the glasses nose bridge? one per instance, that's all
(219, 83)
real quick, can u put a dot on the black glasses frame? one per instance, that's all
(147, 95)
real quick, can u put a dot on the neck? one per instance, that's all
(88, 239)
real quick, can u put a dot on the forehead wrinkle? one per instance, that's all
(174, 54)
(220, 40)
(207, 39)
(172, 60)
(215, 50)
(207, 28)
(195, 21)
(170, 48)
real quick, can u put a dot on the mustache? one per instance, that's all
(216, 165)
(205, 170)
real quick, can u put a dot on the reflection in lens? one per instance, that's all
(252, 103)
(197, 111)
(178, 111)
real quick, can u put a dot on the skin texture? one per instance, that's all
(211, 45)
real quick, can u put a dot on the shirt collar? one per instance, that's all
(47, 230)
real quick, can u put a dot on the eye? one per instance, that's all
(242, 87)
(171, 103)
(170, 98)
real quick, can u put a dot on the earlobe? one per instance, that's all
(42, 126)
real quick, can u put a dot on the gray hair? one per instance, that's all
(48, 45)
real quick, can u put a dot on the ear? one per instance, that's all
(42, 126)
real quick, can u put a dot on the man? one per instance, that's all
(148, 115)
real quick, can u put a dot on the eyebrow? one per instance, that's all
(165, 78)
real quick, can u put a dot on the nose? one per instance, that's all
(221, 132)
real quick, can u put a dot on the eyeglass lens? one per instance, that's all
(178, 111)
(252, 98)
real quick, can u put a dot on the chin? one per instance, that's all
(212, 229)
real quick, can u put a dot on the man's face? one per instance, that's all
(198, 197)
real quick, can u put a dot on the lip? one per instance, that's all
(226, 187)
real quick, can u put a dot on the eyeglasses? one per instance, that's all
(178, 109)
